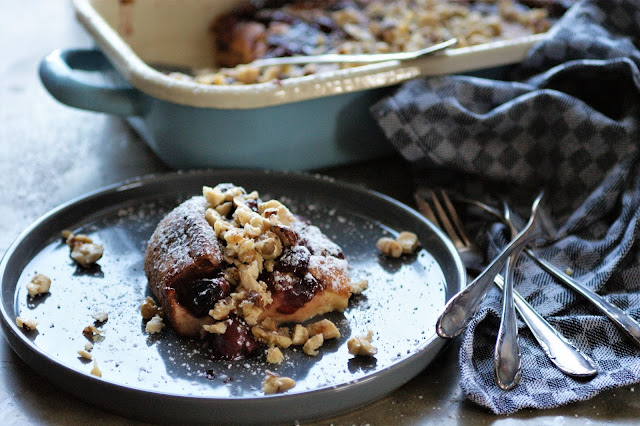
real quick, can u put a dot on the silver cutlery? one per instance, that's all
(507, 362)
(566, 357)
(461, 308)
(367, 58)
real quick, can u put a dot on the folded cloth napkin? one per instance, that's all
(568, 121)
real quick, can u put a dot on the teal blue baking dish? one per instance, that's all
(298, 123)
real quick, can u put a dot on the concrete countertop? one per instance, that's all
(50, 153)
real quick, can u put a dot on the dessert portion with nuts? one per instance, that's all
(274, 28)
(231, 268)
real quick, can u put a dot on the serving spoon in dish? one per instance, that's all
(361, 58)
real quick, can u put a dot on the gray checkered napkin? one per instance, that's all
(565, 120)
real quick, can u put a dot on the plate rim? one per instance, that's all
(35, 357)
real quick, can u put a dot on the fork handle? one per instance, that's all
(566, 357)
(507, 359)
(620, 318)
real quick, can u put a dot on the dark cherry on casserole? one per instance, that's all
(237, 342)
(202, 295)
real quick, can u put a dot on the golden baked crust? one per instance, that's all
(182, 249)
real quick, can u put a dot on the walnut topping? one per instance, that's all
(84, 354)
(92, 333)
(362, 345)
(278, 338)
(217, 328)
(274, 355)
(39, 284)
(324, 327)
(300, 335)
(408, 241)
(154, 325)
(28, 324)
(84, 250)
(389, 247)
(273, 383)
(359, 287)
(405, 243)
(222, 308)
(149, 309)
(100, 317)
(95, 370)
(313, 344)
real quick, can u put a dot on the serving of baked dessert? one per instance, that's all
(231, 268)
(274, 28)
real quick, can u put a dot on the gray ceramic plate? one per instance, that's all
(163, 377)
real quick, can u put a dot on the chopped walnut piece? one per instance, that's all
(84, 250)
(100, 316)
(95, 370)
(324, 327)
(274, 355)
(88, 346)
(149, 309)
(92, 333)
(28, 324)
(362, 345)
(405, 243)
(222, 308)
(359, 287)
(269, 324)
(84, 354)
(66, 233)
(273, 383)
(408, 241)
(311, 346)
(39, 284)
(155, 325)
(389, 247)
(271, 337)
(300, 335)
(217, 328)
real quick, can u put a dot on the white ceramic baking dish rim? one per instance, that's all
(157, 84)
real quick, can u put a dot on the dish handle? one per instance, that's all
(64, 74)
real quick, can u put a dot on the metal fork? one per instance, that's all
(566, 357)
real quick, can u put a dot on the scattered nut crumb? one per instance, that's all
(95, 370)
(149, 309)
(300, 335)
(88, 346)
(92, 333)
(274, 355)
(359, 287)
(362, 345)
(389, 247)
(39, 284)
(405, 243)
(100, 316)
(569, 271)
(28, 324)
(84, 354)
(84, 250)
(217, 328)
(311, 346)
(273, 383)
(324, 327)
(66, 233)
(155, 325)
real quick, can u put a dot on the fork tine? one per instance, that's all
(445, 221)
(426, 210)
(455, 219)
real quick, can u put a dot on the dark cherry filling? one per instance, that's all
(291, 279)
(202, 295)
(237, 342)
